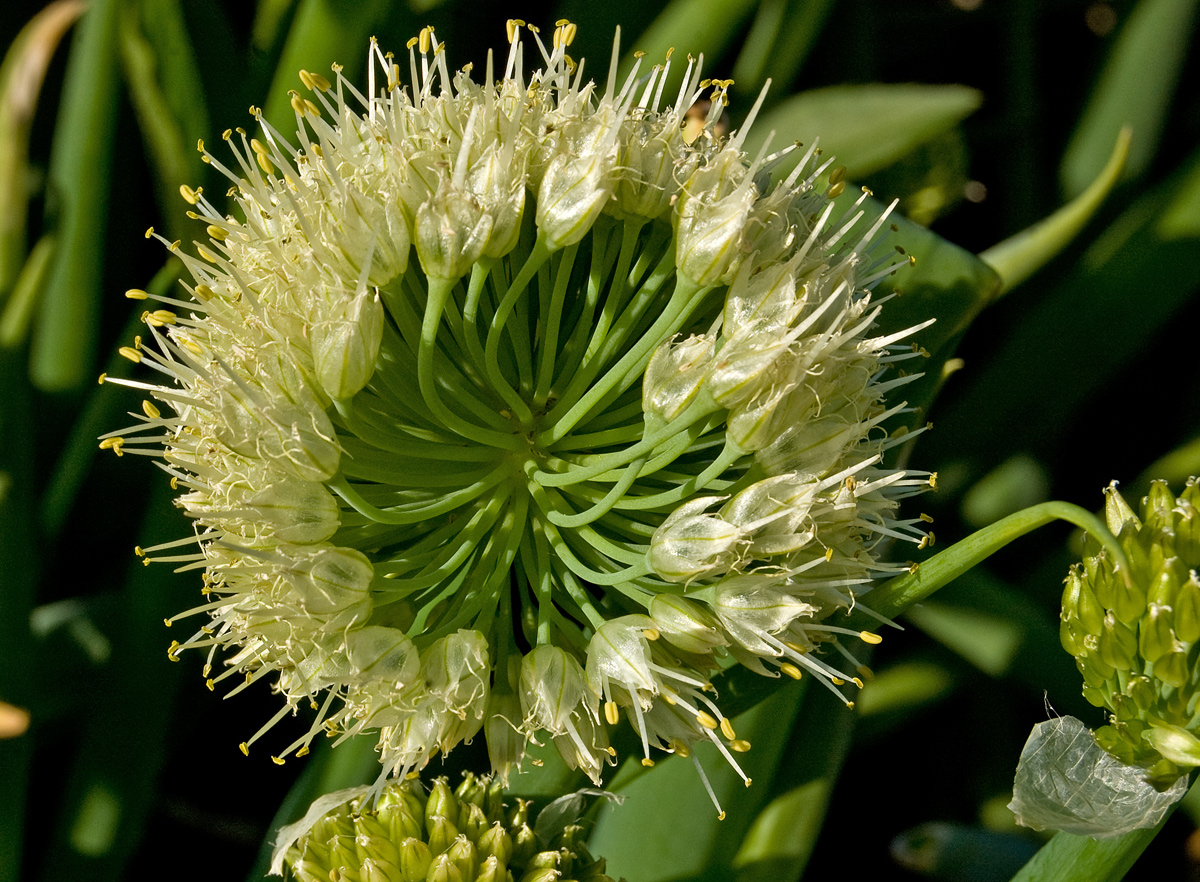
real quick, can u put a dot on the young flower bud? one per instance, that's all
(677, 371)
(690, 544)
(1145, 625)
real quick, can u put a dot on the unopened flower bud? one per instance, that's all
(1133, 635)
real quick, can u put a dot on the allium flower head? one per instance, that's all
(1135, 640)
(505, 406)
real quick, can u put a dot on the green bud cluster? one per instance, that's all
(462, 834)
(1136, 640)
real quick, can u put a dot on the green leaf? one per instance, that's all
(1079, 336)
(108, 798)
(102, 411)
(21, 77)
(64, 341)
(22, 303)
(323, 32)
(798, 33)
(693, 27)
(1134, 91)
(168, 97)
(1020, 256)
(945, 282)
(779, 843)
(866, 127)
(17, 538)
(667, 827)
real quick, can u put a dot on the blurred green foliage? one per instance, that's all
(972, 114)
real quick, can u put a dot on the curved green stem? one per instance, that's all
(896, 595)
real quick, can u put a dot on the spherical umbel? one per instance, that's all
(509, 408)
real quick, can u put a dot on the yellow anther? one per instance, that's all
(161, 317)
(639, 54)
(306, 78)
(511, 28)
(537, 762)
(101, 379)
(533, 29)
(139, 551)
(256, 145)
(680, 748)
(249, 677)
(933, 481)
(791, 670)
(318, 83)
(212, 687)
(870, 637)
(150, 410)
(136, 294)
(837, 175)
(562, 22)
(206, 670)
(205, 254)
(174, 246)
(727, 729)
(741, 745)
(203, 292)
(651, 633)
(298, 104)
(837, 681)
(172, 649)
(425, 39)
(612, 713)
(912, 260)
(227, 134)
(835, 190)
(216, 232)
(857, 682)
(748, 781)
(415, 40)
(149, 232)
(721, 816)
(264, 163)
(191, 196)
(303, 751)
(670, 52)
(647, 762)
(828, 554)
(244, 748)
(850, 705)
(926, 518)
(277, 760)
(113, 444)
(707, 720)
(167, 622)
(865, 673)
(611, 751)
(313, 109)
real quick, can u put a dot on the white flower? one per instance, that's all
(505, 406)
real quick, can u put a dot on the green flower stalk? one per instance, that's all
(464, 834)
(1137, 644)
(506, 406)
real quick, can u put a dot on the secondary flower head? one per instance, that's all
(505, 406)
(1135, 640)
(466, 833)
